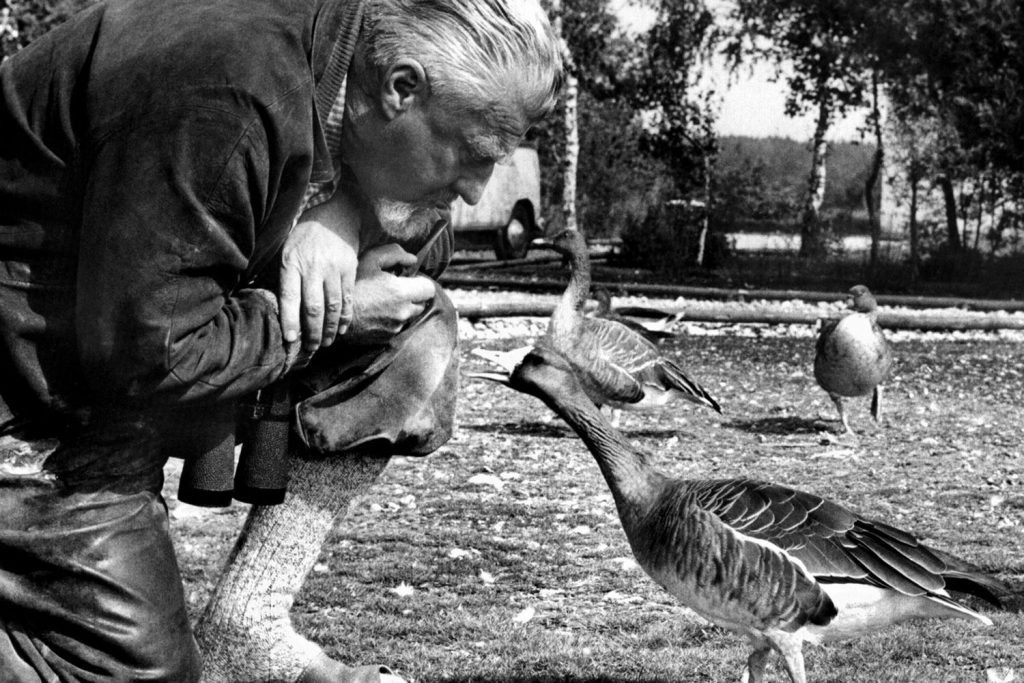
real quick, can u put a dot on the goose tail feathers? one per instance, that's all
(687, 388)
(962, 576)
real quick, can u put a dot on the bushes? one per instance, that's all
(666, 241)
(945, 264)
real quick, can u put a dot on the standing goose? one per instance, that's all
(774, 564)
(619, 367)
(852, 356)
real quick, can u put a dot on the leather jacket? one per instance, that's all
(153, 157)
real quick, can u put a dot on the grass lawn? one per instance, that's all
(500, 557)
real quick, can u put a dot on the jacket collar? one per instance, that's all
(335, 31)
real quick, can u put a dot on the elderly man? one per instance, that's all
(155, 157)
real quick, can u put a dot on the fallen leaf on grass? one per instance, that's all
(626, 564)
(486, 480)
(403, 590)
(1000, 674)
(525, 615)
(621, 598)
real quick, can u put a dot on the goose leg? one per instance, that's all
(245, 632)
(838, 401)
(756, 663)
(876, 404)
(790, 646)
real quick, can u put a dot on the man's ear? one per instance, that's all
(404, 82)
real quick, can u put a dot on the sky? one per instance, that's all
(751, 104)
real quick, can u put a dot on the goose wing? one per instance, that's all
(826, 332)
(671, 376)
(618, 343)
(732, 578)
(613, 350)
(833, 543)
(652, 334)
(606, 357)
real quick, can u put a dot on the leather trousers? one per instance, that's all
(89, 582)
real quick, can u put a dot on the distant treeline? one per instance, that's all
(787, 162)
(761, 184)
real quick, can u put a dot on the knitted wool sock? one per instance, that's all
(245, 632)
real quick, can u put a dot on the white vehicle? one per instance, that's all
(507, 218)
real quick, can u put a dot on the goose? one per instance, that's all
(852, 356)
(777, 565)
(621, 369)
(656, 331)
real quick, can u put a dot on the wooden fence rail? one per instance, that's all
(476, 308)
(743, 295)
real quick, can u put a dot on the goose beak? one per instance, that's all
(490, 377)
(506, 360)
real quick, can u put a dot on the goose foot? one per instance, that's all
(790, 646)
(838, 401)
(756, 663)
(876, 404)
(323, 669)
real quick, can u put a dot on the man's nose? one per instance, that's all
(472, 183)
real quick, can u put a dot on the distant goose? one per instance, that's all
(776, 565)
(852, 356)
(659, 327)
(620, 368)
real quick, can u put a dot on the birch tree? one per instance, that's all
(811, 45)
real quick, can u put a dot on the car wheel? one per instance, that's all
(513, 240)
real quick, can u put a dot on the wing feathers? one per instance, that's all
(835, 544)
(671, 375)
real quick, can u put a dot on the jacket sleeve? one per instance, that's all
(171, 217)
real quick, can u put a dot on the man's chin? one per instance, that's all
(402, 221)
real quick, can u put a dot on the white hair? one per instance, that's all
(496, 58)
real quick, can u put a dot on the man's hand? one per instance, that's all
(384, 303)
(318, 271)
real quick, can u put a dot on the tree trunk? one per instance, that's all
(870, 185)
(981, 212)
(572, 152)
(571, 121)
(949, 197)
(915, 236)
(702, 240)
(812, 242)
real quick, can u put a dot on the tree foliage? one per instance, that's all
(641, 132)
(827, 77)
(22, 21)
(957, 68)
(680, 113)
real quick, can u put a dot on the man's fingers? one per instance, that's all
(289, 300)
(348, 308)
(333, 305)
(391, 256)
(420, 289)
(312, 313)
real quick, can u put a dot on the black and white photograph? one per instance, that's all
(511, 341)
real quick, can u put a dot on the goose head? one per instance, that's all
(539, 370)
(544, 372)
(569, 243)
(863, 301)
